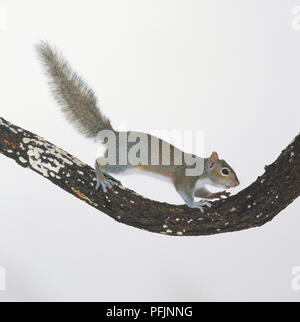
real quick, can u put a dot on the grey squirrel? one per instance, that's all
(79, 104)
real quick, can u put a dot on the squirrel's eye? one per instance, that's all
(225, 171)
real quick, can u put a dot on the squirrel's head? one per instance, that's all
(220, 172)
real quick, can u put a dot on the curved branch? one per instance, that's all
(252, 207)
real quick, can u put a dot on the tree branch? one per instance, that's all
(252, 207)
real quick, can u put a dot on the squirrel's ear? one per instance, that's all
(213, 159)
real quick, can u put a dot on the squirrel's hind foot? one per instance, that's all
(106, 184)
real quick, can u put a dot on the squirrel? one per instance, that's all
(79, 104)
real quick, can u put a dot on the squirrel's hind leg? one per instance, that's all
(104, 180)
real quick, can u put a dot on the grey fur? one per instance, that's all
(77, 100)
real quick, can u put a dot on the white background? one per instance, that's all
(230, 68)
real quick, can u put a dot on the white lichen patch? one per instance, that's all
(55, 169)
(232, 209)
(22, 160)
(60, 155)
(13, 130)
(34, 152)
(36, 162)
(165, 226)
(8, 125)
(41, 162)
(80, 172)
(169, 231)
(57, 153)
(179, 233)
(131, 201)
(38, 167)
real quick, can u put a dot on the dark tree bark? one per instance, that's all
(254, 206)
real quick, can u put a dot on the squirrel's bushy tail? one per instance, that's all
(77, 100)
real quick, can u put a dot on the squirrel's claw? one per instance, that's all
(105, 184)
(109, 177)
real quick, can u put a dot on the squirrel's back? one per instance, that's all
(77, 100)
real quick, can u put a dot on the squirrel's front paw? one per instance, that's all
(105, 184)
(109, 177)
